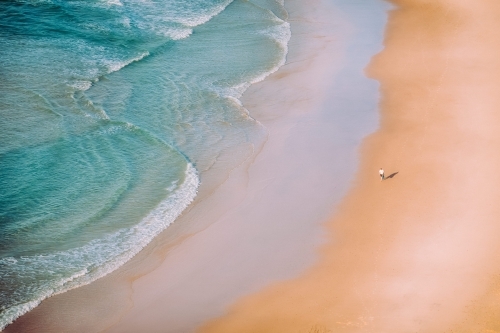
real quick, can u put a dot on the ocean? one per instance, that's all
(111, 112)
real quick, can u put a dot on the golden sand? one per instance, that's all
(418, 252)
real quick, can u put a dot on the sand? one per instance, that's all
(265, 223)
(418, 252)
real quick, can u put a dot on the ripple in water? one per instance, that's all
(110, 112)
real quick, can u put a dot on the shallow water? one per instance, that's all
(109, 111)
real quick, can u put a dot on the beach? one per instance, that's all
(417, 252)
(292, 229)
(261, 219)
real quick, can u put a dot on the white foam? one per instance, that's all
(114, 66)
(81, 85)
(172, 186)
(10, 260)
(281, 34)
(177, 22)
(14, 312)
(105, 255)
(125, 22)
(113, 2)
(176, 34)
(101, 256)
(191, 21)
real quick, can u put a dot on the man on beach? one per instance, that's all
(381, 172)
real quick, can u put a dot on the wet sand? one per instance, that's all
(266, 221)
(418, 252)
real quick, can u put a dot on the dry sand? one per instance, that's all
(265, 222)
(418, 252)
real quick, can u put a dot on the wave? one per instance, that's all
(104, 255)
(280, 34)
(108, 253)
(81, 85)
(193, 21)
(114, 2)
(114, 66)
(111, 67)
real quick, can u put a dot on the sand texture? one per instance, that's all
(418, 252)
(265, 222)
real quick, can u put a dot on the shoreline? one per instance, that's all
(417, 252)
(269, 211)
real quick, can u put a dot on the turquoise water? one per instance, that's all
(109, 113)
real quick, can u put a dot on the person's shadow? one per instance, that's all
(392, 175)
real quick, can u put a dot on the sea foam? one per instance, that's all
(115, 66)
(280, 34)
(101, 256)
(177, 96)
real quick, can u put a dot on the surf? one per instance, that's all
(114, 116)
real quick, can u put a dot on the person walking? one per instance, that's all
(381, 172)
